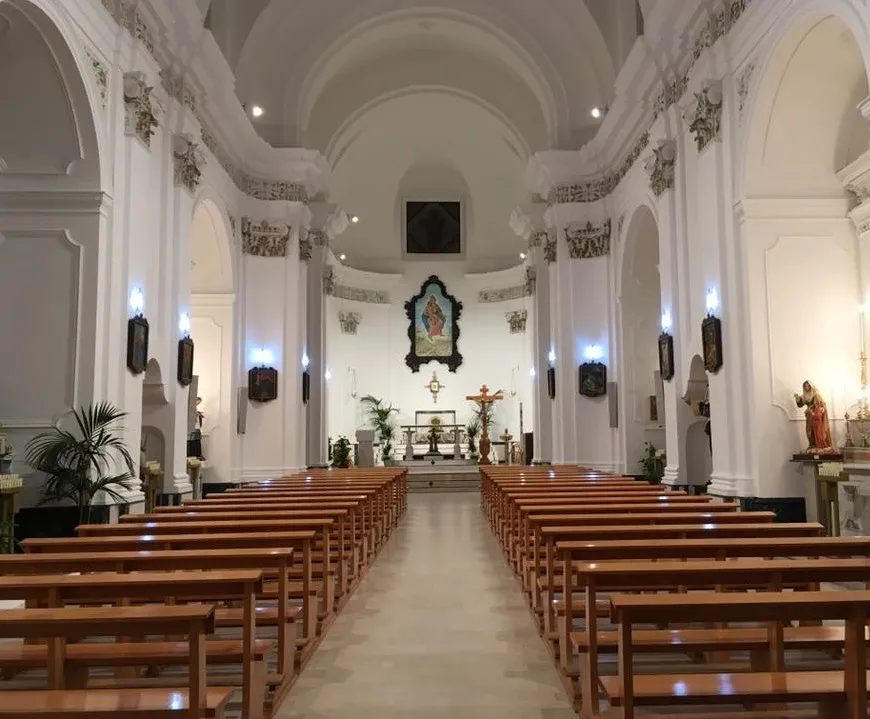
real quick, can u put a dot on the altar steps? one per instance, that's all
(458, 481)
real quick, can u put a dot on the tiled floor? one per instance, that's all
(437, 630)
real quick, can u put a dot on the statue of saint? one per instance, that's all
(818, 425)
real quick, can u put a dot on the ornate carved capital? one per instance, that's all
(517, 321)
(349, 322)
(318, 238)
(550, 248)
(530, 281)
(264, 239)
(328, 280)
(187, 161)
(661, 168)
(305, 248)
(140, 117)
(537, 239)
(588, 241)
(705, 118)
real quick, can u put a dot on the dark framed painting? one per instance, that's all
(666, 356)
(593, 379)
(433, 327)
(433, 228)
(185, 362)
(137, 344)
(711, 335)
(551, 382)
(262, 384)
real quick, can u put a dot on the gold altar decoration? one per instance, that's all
(484, 398)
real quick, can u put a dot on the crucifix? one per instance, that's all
(484, 399)
(434, 386)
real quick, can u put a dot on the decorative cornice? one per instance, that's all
(595, 190)
(661, 167)
(355, 294)
(130, 19)
(140, 118)
(264, 239)
(504, 295)
(101, 75)
(588, 241)
(349, 322)
(517, 321)
(717, 26)
(187, 165)
(705, 119)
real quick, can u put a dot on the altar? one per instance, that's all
(435, 435)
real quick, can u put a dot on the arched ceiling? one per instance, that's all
(461, 92)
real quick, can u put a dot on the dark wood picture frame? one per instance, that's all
(711, 335)
(185, 362)
(666, 356)
(448, 321)
(262, 384)
(306, 386)
(137, 344)
(551, 382)
(593, 379)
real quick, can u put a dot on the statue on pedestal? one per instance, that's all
(818, 426)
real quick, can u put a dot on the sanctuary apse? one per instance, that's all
(624, 254)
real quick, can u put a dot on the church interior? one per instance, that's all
(355, 319)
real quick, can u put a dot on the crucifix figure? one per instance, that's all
(434, 386)
(484, 399)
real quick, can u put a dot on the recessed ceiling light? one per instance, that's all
(257, 111)
(342, 257)
(354, 219)
(595, 112)
(522, 255)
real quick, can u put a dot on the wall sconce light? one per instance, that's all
(593, 373)
(262, 377)
(711, 334)
(666, 348)
(551, 374)
(137, 333)
(306, 378)
(532, 372)
(184, 370)
(328, 374)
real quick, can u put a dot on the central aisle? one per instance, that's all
(437, 629)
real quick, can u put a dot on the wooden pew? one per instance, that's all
(841, 694)
(307, 590)
(274, 562)
(652, 535)
(669, 575)
(60, 625)
(55, 591)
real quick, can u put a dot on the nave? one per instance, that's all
(437, 629)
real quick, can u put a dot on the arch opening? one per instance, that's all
(803, 262)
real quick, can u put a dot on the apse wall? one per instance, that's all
(372, 361)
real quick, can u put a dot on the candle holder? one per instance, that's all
(863, 405)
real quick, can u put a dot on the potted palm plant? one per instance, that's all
(380, 416)
(472, 429)
(79, 464)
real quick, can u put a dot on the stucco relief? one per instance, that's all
(264, 239)
(349, 322)
(140, 112)
(588, 241)
(101, 76)
(503, 295)
(517, 321)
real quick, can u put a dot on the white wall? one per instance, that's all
(491, 354)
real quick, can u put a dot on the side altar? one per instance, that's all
(435, 435)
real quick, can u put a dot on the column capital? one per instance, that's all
(856, 179)
(327, 222)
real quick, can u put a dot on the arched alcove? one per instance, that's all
(50, 244)
(640, 307)
(802, 257)
(212, 321)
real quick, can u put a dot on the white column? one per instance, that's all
(316, 450)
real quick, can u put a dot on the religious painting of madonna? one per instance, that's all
(434, 326)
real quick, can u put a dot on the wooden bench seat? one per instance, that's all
(94, 654)
(110, 703)
(730, 688)
(60, 626)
